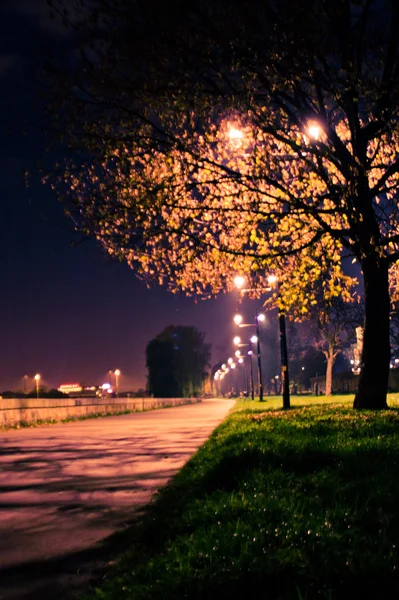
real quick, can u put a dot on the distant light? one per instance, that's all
(240, 360)
(230, 361)
(223, 366)
(237, 340)
(272, 279)
(239, 281)
(261, 317)
(254, 339)
(37, 376)
(105, 386)
(250, 352)
(67, 388)
(237, 353)
(233, 365)
(276, 377)
(238, 319)
(117, 372)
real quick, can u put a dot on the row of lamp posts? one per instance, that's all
(273, 282)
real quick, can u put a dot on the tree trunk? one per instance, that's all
(330, 363)
(373, 380)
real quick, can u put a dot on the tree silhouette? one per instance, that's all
(176, 361)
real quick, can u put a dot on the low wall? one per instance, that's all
(29, 410)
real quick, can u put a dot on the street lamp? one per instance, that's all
(255, 339)
(25, 377)
(37, 379)
(251, 375)
(117, 373)
(285, 379)
(239, 281)
(314, 130)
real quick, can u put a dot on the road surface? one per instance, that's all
(65, 489)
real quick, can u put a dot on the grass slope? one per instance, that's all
(277, 504)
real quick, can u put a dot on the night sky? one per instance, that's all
(67, 311)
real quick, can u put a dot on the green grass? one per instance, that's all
(278, 505)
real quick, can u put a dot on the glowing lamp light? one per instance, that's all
(238, 319)
(237, 353)
(250, 352)
(37, 377)
(230, 361)
(233, 365)
(235, 134)
(254, 339)
(223, 366)
(261, 317)
(272, 279)
(237, 340)
(314, 130)
(239, 281)
(117, 372)
(240, 360)
(106, 386)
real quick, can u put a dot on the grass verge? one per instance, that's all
(277, 504)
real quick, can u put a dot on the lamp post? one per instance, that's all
(237, 342)
(240, 360)
(285, 379)
(255, 340)
(37, 379)
(251, 374)
(25, 377)
(117, 373)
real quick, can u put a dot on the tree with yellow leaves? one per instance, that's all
(255, 137)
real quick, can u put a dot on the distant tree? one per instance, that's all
(176, 361)
(11, 394)
(329, 330)
(336, 324)
(54, 393)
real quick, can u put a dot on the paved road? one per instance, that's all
(65, 489)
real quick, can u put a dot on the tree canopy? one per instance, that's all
(255, 137)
